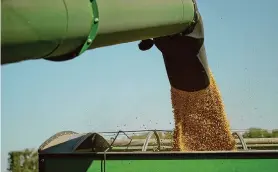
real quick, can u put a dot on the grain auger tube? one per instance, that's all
(59, 30)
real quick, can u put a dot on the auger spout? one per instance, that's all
(63, 29)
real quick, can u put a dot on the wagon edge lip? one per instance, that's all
(273, 154)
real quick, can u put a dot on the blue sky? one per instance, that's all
(120, 87)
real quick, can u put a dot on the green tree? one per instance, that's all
(23, 161)
(274, 133)
(257, 133)
(14, 162)
(168, 135)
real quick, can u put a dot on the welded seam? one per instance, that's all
(193, 22)
(183, 11)
(67, 27)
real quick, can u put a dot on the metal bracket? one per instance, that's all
(118, 133)
(244, 145)
(94, 28)
(146, 143)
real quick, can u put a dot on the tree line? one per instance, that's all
(23, 161)
(260, 133)
(250, 133)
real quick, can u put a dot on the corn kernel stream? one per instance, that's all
(200, 120)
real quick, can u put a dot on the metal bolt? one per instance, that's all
(96, 20)
(42, 160)
(89, 41)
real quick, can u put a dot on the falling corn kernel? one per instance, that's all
(200, 120)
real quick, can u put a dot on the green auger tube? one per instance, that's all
(60, 30)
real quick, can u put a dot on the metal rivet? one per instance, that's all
(96, 20)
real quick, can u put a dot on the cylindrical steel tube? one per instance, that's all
(123, 21)
(33, 29)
